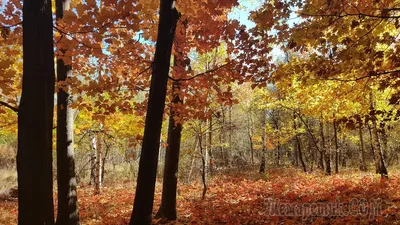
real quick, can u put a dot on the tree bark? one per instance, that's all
(363, 166)
(203, 167)
(144, 197)
(324, 151)
(380, 162)
(335, 128)
(35, 117)
(98, 171)
(298, 142)
(93, 159)
(209, 144)
(263, 139)
(67, 210)
(167, 209)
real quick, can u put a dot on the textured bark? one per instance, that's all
(326, 154)
(99, 165)
(298, 144)
(167, 209)
(263, 139)
(93, 159)
(35, 117)
(335, 128)
(363, 166)
(144, 197)
(380, 162)
(67, 210)
(203, 168)
(209, 144)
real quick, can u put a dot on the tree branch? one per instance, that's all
(13, 108)
(200, 74)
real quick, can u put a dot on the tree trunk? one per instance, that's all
(194, 158)
(144, 197)
(324, 151)
(67, 210)
(98, 181)
(35, 117)
(228, 158)
(93, 159)
(379, 153)
(335, 130)
(263, 139)
(372, 148)
(298, 142)
(210, 154)
(168, 199)
(363, 166)
(203, 167)
(250, 132)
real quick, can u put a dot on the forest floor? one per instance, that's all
(281, 196)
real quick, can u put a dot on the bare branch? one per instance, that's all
(13, 108)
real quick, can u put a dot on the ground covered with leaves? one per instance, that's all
(284, 196)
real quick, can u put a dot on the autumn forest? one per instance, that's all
(199, 112)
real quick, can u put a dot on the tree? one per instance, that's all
(35, 116)
(67, 210)
(168, 200)
(143, 203)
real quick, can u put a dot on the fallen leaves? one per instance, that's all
(246, 199)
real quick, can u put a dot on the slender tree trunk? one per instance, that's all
(298, 142)
(320, 163)
(222, 135)
(203, 168)
(335, 130)
(250, 136)
(372, 148)
(325, 152)
(363, 166)
(210, 154)
(194, 158)
(67, 210)
(144, 197)
(98, 181)
(104, 159)
(93, 159)
(168, 199)
(230, 136)
(35, 117)
(379, 153)
(263, 139)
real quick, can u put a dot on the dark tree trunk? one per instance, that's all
(67, 210)
(209, 144)
(144, 197)
(168, 199)
(372, 148)
(99, 162)
(324, 151)
(298, 143)
(250, 132)
(263, 139)
(35, 117)
(363, 166)
(228, 157)
(320, 163)
(380, 162)
(203, 167)
(335, 130)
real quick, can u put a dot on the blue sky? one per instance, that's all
(242, 12)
